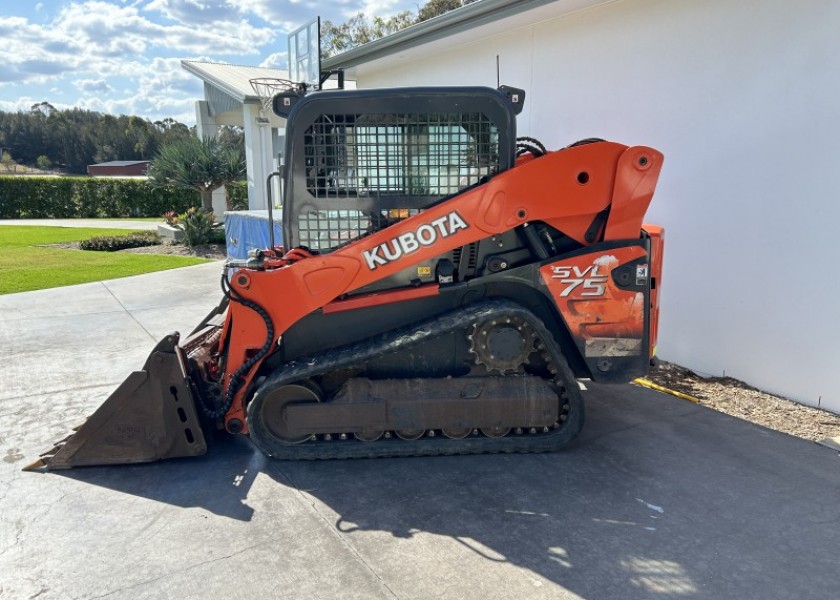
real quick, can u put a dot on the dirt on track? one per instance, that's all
(736, 398)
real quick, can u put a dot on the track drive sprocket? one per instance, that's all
(502, 345)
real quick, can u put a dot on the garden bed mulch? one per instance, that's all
(212, 251)
(736, 398)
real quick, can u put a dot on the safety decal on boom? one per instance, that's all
(425, 235)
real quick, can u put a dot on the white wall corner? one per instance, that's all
(205, 125)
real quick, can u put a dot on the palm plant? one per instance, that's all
(197, 164)
(233, 168)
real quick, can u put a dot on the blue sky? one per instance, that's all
(123, 56)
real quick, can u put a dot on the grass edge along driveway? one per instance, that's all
(26, 266)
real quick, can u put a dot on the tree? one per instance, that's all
(170, 130)
(7, 161)
(74, 138)
(359, 30)
(42, 108)
(435, 8)
(232, 135)
(43, 162)
(71, 135)
(233, 168)
(196, 164)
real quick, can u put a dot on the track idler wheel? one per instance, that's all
(270, 414)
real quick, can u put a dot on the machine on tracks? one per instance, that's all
(442, 288)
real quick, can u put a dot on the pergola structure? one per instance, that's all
(229, 99)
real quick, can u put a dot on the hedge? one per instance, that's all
(113, 243)
(87, 197)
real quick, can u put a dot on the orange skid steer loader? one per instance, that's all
(443, 287)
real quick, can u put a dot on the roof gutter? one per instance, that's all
(467, 17)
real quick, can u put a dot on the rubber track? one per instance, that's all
(358, 353)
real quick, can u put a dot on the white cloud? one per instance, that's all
(122, 30)
(122, 56)
(386, 8)
(276, 60)
(25, 103)
(94, 40)
(291, 14)
(90, 86)
(163, 89)
(196, 11)
(166, 77)
(182, 110)
(33, 53)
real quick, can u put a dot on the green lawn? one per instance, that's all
(24, 266)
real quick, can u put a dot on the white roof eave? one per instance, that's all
(232, 79)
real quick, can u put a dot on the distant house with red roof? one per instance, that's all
(119, 168)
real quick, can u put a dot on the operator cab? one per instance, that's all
(358, 161)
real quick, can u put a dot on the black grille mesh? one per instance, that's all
(413, 155)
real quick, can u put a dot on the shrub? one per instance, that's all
(81, 197)
(217, 236)
(197, 225)
(112, 243)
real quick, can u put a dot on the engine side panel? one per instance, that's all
(603, 296)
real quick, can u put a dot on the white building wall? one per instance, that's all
(742, 98)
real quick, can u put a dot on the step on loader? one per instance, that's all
(442, 288)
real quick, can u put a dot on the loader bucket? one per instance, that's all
(151, 416)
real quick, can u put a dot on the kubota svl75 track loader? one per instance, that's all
(443, 287)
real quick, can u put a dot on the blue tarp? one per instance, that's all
(247, 230)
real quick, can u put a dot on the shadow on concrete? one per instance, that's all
(218, 482)
(659, 498)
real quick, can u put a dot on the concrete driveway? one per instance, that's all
(90, 223)
(659, 498)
